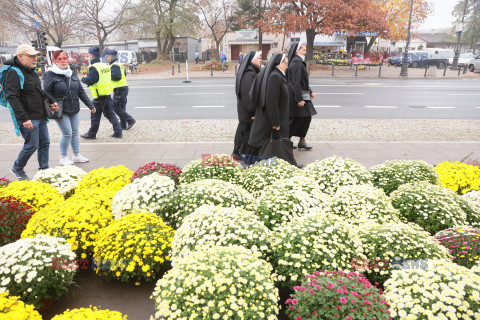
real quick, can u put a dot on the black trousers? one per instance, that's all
(103, 105)
(299, 126)
(241, 137)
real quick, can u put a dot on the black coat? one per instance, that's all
(27, 103)
(275, 113)
(297, 76)
(245, 107)
(57, 85)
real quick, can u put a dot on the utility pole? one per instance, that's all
(404, 72)
(459, 36)
(40, 40)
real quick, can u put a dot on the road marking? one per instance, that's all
(381, 107)
(185, 86)
(328, 106)
(194, 94)
(208, 106)
(463, 94)
(342, 93)
(440, 107)
(151, 107)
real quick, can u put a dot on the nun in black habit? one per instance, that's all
(270, 97)
(301, 95)
(245, 109)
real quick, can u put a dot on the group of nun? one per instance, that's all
(273, 102)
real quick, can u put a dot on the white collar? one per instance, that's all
(280, 70)
(303, 57)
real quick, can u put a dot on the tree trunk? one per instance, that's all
(158, 38)
(310, 39)
(168, 47)
(101, 42)
(215, 53)
(370, 44)
(260, 39)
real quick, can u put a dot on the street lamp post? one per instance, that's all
(459, 36)
(404, 72)
(39, 40)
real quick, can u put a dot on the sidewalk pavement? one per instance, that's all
(133, 155)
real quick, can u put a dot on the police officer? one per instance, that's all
(99, 79)
(120, 90)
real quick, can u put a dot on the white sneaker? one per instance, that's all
(65, 161)
(79, 158)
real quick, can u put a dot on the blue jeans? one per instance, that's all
(69, 126)
(35, 139)
(120, 106)
(103, 105)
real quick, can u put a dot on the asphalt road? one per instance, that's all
(342, 98)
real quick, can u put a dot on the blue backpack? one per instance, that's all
(3, 93)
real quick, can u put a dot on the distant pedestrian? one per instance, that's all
(240, 58)
(99, 79)
(301, 95)
(197, 56)
(64, 85)
(27, 103)
(223, 59)
(245, 108)
(120, 90)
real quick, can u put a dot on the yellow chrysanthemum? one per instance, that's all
(12, 308)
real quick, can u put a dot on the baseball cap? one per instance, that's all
(27, 49)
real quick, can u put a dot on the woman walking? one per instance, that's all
(245, 109)
(301, 106)
(64, 85)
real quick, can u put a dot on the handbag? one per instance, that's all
(306, 95)
(59, 113)
(49, 113)
(280, 148)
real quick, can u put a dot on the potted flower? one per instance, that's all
(39, 195)
(11, 307)
(14, 215)
(64, 179)
(170, 170)
(90, 313)
(113, 178)
(219, 166)
(463, 244)
(459, 177)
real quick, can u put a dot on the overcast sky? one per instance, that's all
(441, 16)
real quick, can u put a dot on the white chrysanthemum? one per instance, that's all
(64, 179)
(147, 194)
(392, 174)
(473, 196)
(188, 197)
(218, 283)
(44, 265)
(443, 290)
(334, 172)
(210, 226)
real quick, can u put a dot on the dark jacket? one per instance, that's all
(27, 103)
(275, 113)
(57, 85)
(116, 71)
(245, 107)
(297, 76)
(92, 76)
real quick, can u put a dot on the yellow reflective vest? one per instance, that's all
(122, 82)
(104, 86)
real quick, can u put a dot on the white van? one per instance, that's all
(439, 53)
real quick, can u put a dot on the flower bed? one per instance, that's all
(473, 196)
(134, 247)
(188, 197)
(113, 178)
(431, 207)
(64, 179)
(363, 202)
(28, 268)
(77, 222)
(392, 174)
(4, 182)
(102, 198)
(441, 291)
(316, 241)
(90, 314)
(334, 172)
(148, 194)
(266, 172)
(12, 308)
(285, 200)
(14, 215)
(219, 166)
(169, 170)
(463, 244)
(459, 177)
(337, 295)
(37, 194)
(393, 246)
(210, 226)
(219, 283)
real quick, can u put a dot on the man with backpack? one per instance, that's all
(24, 96)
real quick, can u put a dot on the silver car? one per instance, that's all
(474, 64)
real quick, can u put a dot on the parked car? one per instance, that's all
(439, 57)
(464, 59)
(415, 59)
(474, 64)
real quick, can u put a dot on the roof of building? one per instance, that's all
(435, 37)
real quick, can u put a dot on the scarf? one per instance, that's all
(64, 72)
